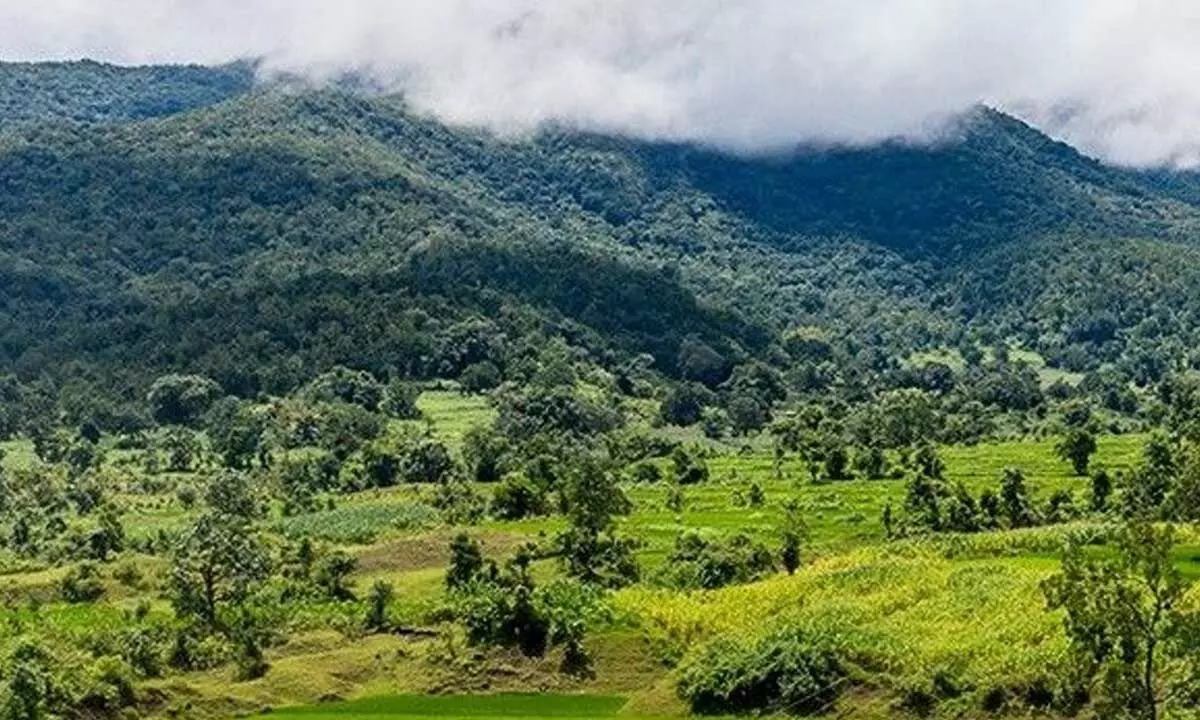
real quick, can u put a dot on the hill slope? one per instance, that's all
(266, 237)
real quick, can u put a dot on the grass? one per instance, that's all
(453, 414)
(478, 706)
(902, 616)
(846, 515)
(966, 607)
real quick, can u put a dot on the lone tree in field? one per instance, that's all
(1077, 448)
(215, 566)
(792, 534)
(590, 547)
(1132, 633)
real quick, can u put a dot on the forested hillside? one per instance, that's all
(126, 237)
(306, 398)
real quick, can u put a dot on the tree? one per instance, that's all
(480, 377)
(485, 452)
(927, 462)
(1102, 487)
(590, 548)
(30, 684)
(792, 532)
(1014, 499)
(689, 468)
(216, 563)
(342, 384)
(236, 432)
(1129, 630)
(871, 462)
(685, 403)
(181, 399)
(382, 594)
(231, 494)
(108, 537)
(1077, 448)
(1148, 487)
(332, 573)
(400, 400)
(517, 498)
(466, 562)
(837, 461)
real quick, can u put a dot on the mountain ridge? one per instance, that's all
(896, 247)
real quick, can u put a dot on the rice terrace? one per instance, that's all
(577, 360)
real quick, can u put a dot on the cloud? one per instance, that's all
(1115, 77)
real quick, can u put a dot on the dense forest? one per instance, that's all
(281, 364)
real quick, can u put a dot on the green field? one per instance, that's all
(969, 606)
(515, 706)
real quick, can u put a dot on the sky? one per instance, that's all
(1119, 79)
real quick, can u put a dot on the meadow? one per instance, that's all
(965, 610)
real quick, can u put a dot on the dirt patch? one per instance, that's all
(431, 550)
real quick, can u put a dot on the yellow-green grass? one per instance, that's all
(901, 618)
(904, 612)
(453, 414)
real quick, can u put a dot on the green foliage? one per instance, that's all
(88, 91)
(788, 671)
(342, 385)
(1128, 625)
(236, 432)
(215, 566)
(82, 584)
(1015, 505)
(181, 399)
(688, 468)
(591, 549)
(697, 563)
(1077, 448)
(380, 598)
(332, 573)
(517, 498)
(685, 404)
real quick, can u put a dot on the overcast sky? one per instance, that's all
(1118, 78)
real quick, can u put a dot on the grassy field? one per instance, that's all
(514, 706)
(452, 414)
(967, 608)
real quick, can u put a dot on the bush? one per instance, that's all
(518, 498)
(82, 584)
(689, 468)
(647, 473)
(788, 670)
(697, 563)
(341, 384)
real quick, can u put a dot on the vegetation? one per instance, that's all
(305, 398)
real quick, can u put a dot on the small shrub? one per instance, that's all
(698, 563)
(82, 584)
(518, 498)
(788, 670)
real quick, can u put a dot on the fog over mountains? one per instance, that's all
(1113, 77)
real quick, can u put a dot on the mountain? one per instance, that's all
(91, 92)
(159, 219)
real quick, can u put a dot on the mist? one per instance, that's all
(1116, 78)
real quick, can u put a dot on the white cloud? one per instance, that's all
(1116, 77)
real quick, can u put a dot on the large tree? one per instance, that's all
(216, 564)
(1132, 633)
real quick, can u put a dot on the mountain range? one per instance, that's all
(194, 219)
